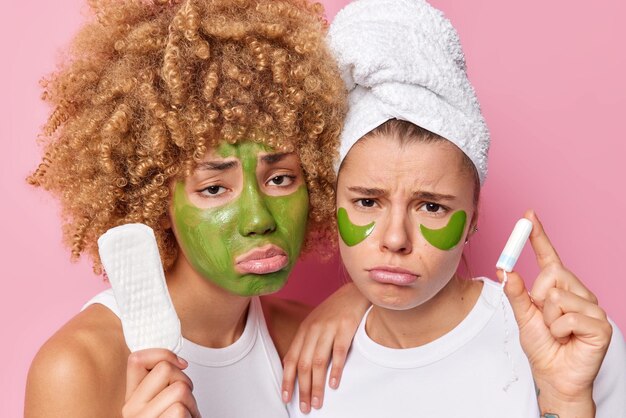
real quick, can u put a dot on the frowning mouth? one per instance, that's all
(392, 275)
(262, 260)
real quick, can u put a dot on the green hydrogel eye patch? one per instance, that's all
(350, 233)
(450, 235)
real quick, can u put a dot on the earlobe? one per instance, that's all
(166, 222)
(473, 227)
(471, 232)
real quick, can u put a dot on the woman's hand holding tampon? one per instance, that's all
(563, 331)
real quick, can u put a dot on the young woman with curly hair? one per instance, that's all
(224, 111)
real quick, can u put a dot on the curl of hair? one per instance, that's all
(149, 85)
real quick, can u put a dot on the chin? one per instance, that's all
(259, 285)
(392, 297)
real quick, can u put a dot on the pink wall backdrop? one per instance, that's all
(549, 75)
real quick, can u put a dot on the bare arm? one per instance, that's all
(85, 370)
(80, 371)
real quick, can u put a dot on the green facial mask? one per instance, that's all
(450, 235)
(350, 233)
(211, 239)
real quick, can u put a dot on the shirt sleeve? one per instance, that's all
(609, 388)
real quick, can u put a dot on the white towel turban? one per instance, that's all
(402, 59)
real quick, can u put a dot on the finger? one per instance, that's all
(141, 362)
(556, 276)
(521, 303)
(544, 251)
(340, 352)
(164, 374)
(591, 331)
(560, 302)
(321, 358)
(177, 410)
(290, 363)
(176, 393)
(305, 367)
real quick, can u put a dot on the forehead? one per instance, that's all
(238, 150)
(384, 161)
(248, 153)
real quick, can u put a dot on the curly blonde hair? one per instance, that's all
(149, 86)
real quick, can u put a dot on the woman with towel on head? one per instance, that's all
(413, 160)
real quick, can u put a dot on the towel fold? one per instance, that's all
(402, 59)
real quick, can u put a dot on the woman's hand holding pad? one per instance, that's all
(156, 386)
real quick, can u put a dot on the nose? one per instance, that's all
(255, 218)
(397, 233)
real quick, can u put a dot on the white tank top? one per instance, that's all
(238, 381)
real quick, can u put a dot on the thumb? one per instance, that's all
(515, 291)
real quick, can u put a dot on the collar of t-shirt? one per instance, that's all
(438, 349)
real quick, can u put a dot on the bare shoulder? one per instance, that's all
(81, 370)
(283, 319)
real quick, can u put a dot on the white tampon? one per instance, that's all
(514, 245)
(130, 256)
(506, 262)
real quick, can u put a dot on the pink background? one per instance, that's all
(549, 75)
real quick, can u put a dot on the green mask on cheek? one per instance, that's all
(350, 233)
(445, 238)
(450, 235)
(211, 239)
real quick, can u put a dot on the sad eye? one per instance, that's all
(366, 203)
(283, 180)
(432, 207)
(212, 191)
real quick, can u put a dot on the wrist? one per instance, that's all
(556, 404)
(568, 410)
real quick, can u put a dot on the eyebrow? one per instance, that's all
(437, 197)
(217, 165)
(366, 191)
(421, 195)
(275, 158)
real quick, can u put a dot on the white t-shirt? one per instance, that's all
(463, 374)
(239, 381)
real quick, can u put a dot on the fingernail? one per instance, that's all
(333, 383)
(304, 407)
(182, 360)
(315, 402)
(285, 396)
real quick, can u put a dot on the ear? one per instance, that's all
(473, 226)
(165, 222)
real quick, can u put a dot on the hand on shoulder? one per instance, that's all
(325, 334)
(283, 318)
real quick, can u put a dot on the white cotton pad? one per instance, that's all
(130, 256)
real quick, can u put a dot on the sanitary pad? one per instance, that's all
(130, 256)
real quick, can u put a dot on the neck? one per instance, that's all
(427, 322)
(209, 315)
